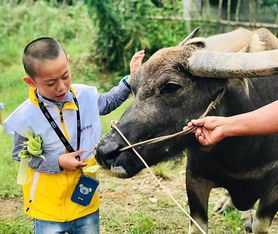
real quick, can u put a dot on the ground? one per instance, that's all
(139, 205)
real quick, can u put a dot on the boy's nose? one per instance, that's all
(61, 86)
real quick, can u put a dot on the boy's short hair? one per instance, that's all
(40, 50)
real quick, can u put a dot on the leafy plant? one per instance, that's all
(268, 2)
(125, 27)
(121, 31)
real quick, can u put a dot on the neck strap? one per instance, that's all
(57, 129)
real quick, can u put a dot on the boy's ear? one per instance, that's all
(28, 80)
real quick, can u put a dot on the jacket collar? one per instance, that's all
(67, 103)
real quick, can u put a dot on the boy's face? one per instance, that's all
(53, 78)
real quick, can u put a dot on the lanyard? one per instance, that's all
(57, 129)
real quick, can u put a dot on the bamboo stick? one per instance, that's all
(238, 10)
(220, 3)
(252, 11)
(229, 10)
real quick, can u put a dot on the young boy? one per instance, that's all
(51, 182)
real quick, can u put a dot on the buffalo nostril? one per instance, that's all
(107, 149)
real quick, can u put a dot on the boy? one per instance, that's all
(51, 182)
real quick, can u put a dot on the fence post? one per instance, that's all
(252, 12)
(220, 3)
(207, 9)
(229, 10)
(238, 9)
(187, 15)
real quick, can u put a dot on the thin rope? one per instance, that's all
(162, 138)
(181, 133)
(158, 181)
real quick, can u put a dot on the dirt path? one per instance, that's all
(9, 207)
(142, 191)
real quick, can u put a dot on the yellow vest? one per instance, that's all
(48, 196)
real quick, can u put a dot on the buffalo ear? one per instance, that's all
(190, 36)
(198, 42)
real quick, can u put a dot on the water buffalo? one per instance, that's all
(176, 85)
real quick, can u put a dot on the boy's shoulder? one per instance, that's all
(24, 107)
(20, 117)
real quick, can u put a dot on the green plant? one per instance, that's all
(167, 170)
(110, 36)
(144, 223)
(233, 220)
(122, 31)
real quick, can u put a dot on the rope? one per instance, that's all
(183, 132)
(157, 180)
(162, 138)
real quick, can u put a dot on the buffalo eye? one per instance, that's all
(170, 88)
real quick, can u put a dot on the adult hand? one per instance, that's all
(211, 129)
(69, 161)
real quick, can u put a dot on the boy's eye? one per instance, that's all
(65, 77)
(50, 84)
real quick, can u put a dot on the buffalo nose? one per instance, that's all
(107, 149)
(106, 152)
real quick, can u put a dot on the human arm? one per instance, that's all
(54, 165)
(18, 145)
(213, 129)
(51, 164)
(109, 101)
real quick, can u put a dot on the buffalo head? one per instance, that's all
(170, 89)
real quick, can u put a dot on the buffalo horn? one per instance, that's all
(233, 65)
(190, 36)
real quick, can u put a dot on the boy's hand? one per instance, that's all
(70, 162)
(136, 62)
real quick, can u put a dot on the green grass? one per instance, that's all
(20, 224)
(233, 220)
